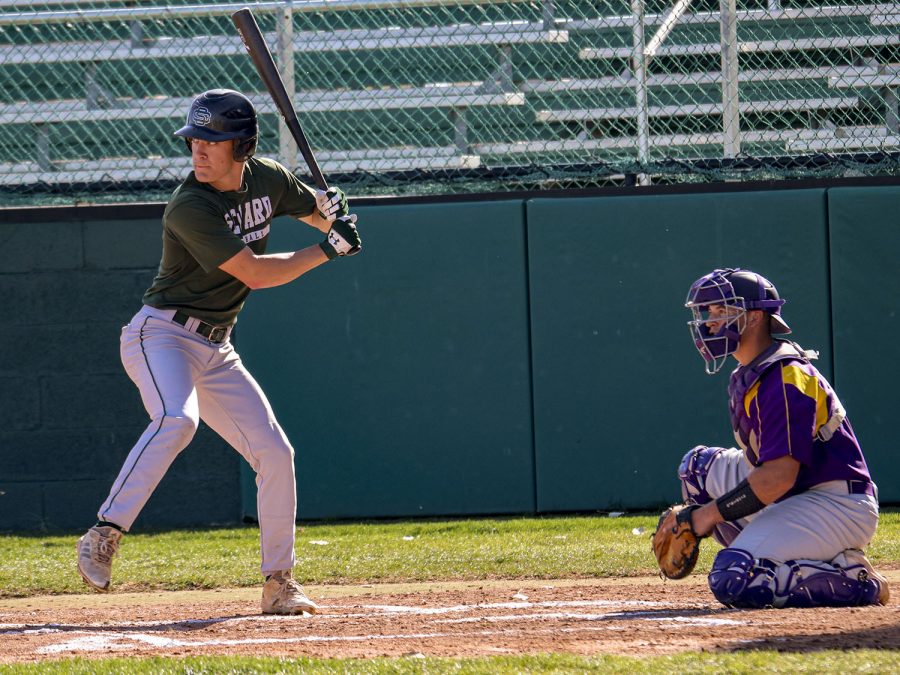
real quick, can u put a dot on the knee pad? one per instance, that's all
(692, 473)
(738, 580)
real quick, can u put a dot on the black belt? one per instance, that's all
(861, 487)
(215, 334)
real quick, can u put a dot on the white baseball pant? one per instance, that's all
(184, 378)
(814, 525)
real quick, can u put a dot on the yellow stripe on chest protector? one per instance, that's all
(749, 396)
(808, 385)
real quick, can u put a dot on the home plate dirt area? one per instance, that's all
(636, 617)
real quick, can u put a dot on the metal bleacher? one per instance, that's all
(101, 105)
(814, 96)
(828, 84)
(338, 40)
(678, 110)
(549, 112)
(438, 95)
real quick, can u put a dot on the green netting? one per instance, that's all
(440, 96)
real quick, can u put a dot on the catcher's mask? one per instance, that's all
(734, 292)
(221, 115)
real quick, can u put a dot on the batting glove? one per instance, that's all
(343, 239)
(332, 203)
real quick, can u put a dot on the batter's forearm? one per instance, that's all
(274, 269)
(317, 221)
(277, 269)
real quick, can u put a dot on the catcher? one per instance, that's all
(796, 506)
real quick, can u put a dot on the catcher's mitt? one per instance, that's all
(675, 544)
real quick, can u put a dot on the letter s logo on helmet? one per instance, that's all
(200, 116)
(736, 291)
(222, 115)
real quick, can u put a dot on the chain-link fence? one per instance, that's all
(424, 96)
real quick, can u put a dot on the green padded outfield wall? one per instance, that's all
(401, 375)
(865, 269)
(478, 357)
(620, 392)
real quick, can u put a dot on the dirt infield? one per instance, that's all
(637, 617)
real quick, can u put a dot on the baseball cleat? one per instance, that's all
(856, 557)
(95, 553)
(282, 595)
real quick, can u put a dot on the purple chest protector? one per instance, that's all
(745, 377)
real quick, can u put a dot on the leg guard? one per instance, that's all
(692, 473)
(737, 580)
(812, 584)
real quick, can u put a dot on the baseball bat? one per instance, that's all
(265, 65)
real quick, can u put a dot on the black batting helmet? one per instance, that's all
(221, 115)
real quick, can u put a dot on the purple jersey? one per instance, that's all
(781, 405)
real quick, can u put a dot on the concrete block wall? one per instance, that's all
(68, 413)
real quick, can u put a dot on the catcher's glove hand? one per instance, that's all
(675, 544)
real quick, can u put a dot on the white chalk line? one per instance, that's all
(24, 629)
(693, 621)
(119, 640)
(175, 624)
(95, 641)
(124, 642)
(521, 605)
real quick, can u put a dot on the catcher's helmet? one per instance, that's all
(738, 291)
(221, 115)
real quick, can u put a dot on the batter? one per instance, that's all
(177, 348)
(795, 506)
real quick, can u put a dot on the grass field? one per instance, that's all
(407, 551)
(346, 553)
(864, 661)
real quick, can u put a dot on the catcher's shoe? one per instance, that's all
(95, 553)
(282, 595)
(856, 557)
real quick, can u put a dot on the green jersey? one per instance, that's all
(202, 228)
